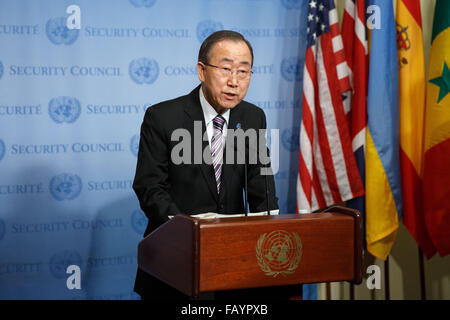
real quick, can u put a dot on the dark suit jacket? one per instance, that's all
(164, 188)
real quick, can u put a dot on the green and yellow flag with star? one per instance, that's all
(436, 169)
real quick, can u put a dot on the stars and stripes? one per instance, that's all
(327, 169)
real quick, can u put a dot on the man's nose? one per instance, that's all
(232, 79)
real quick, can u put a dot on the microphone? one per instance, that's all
(267, 195)
(238, 126)
(267, 183)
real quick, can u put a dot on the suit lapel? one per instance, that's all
(195, 113)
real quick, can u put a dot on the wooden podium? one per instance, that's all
(200, 255)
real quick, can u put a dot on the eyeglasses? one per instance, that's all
(241, 74)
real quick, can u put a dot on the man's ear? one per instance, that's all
(201, 71)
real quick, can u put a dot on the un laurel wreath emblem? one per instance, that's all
(64, 109)
(58, 33)
(279, 252)
(291, 69)
(61, 260)
(143, 70)
(142, 3)
(2, 149)
(65, 186)
(206, 27)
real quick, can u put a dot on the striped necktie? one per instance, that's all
(217, 148)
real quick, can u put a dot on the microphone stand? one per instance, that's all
(245, 177)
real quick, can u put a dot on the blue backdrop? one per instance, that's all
(71, 106)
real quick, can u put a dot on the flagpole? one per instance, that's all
(328, 291)
(423, 291)
(352, 291)
(386, 279)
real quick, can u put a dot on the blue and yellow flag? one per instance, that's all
(383, 182)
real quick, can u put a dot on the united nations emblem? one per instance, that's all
(206, 27)
(290, 139)
(65, 186)
(134, 144)
(2, 149)
(58, 33)
(143, 70)
(1, 69)
(279, 252)
(292, 4)
(60, 261)
(139, 221)
(64, 109)
(142, 3)
(2, 229)
(291, 69)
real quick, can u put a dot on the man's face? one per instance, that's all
(224, 90)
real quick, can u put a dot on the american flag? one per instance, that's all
(327, 168)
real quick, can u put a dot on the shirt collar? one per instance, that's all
(209, 112)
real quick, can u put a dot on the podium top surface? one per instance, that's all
(272, 218)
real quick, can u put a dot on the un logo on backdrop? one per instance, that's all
(291, 4)
(139, 221)
(58, 33)
(60, 261)
(1, 69)
(2, 149)
(291, 69)
(65, 186)
(2, 229)
(142, 3)
(64, 109)
(290, 139)
(134, 144)
(143, 70)
(207, 27)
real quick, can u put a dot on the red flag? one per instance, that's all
(356, 53)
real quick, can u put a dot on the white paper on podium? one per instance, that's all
(212, 215)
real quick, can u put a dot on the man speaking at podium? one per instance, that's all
(166, 187)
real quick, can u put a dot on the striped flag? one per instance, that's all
(383, 182)
(327, 168)
(436, 170)
(356, 53)
(412, 108)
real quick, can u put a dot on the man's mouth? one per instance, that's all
(230, 95)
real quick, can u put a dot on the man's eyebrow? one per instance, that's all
(230, 60)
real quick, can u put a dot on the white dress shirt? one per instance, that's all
(210, 113)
